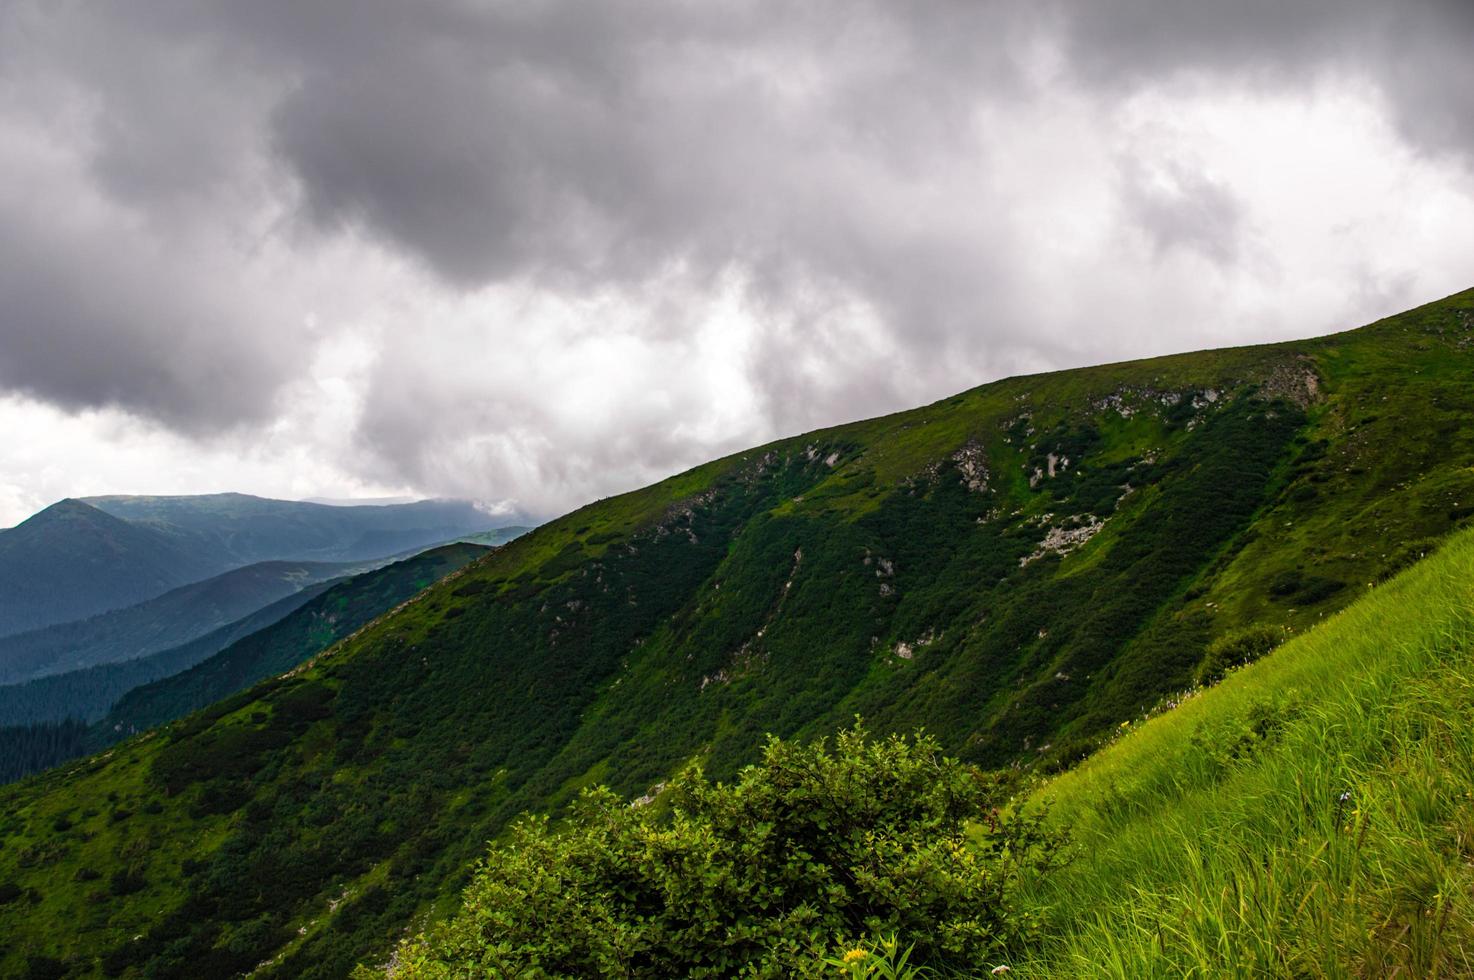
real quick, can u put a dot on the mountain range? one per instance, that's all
(165, 621)
(78, 558)
(1018, 569)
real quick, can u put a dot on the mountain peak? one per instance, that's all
(69, 510)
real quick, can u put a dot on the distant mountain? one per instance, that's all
(239, 529)
(496, 536)
(175, 617)
(87, 694)
(187, 677)
(340, 610)
(72, 560)
(78, 558)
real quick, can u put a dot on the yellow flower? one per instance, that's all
(855, 955)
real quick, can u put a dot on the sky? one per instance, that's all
(537, 252)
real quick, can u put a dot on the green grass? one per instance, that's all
(1311, 816)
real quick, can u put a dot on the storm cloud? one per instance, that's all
(578, 246)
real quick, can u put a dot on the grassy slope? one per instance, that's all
(770, 591)
(1311, 816)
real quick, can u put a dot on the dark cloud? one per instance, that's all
(1415, 51)
(85, 326)
(850, 164)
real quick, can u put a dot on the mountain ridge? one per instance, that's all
(81, 557)
(178, 616)
(118, 564)
(1015, 568)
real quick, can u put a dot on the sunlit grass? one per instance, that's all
(1311, 816)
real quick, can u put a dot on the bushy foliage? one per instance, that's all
(816, 848)
(1236, 649)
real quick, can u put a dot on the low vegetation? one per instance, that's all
(813, 850)
(1312, 816)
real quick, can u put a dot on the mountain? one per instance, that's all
(37, 720)
(496, 536)
(73, 560)
(78, 558)
(336, 612)
(239, 529)
(86, 694)
(175, 617)
(1017, 569)
(1308, 816)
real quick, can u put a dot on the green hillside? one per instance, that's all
(175, 682)
(342, 609)
(1017, 568)
(1312, 816)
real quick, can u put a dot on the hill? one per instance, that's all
(151, 690)
(176, 617)
(78, 558)
(1017, 568)
(72, 560)
(1310, 816)
(87, 694)
(339, 610)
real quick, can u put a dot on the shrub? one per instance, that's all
(817, 848)
(1237, 649)
(44, 968)
(126, 882)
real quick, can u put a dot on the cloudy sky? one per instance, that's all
(539, 251)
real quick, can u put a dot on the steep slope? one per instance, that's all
(337, 612)
(87, 694)
(241, 528)
(1310, 816)
(172, 683)
(176, 617)
(71, 561)
(1017, 568)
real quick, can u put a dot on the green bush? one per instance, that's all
(1237, 649)
(817, 848)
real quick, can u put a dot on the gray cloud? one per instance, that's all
(848, 162)
(1414, 51)
(1181, 207)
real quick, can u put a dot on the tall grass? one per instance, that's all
(1311, 816)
